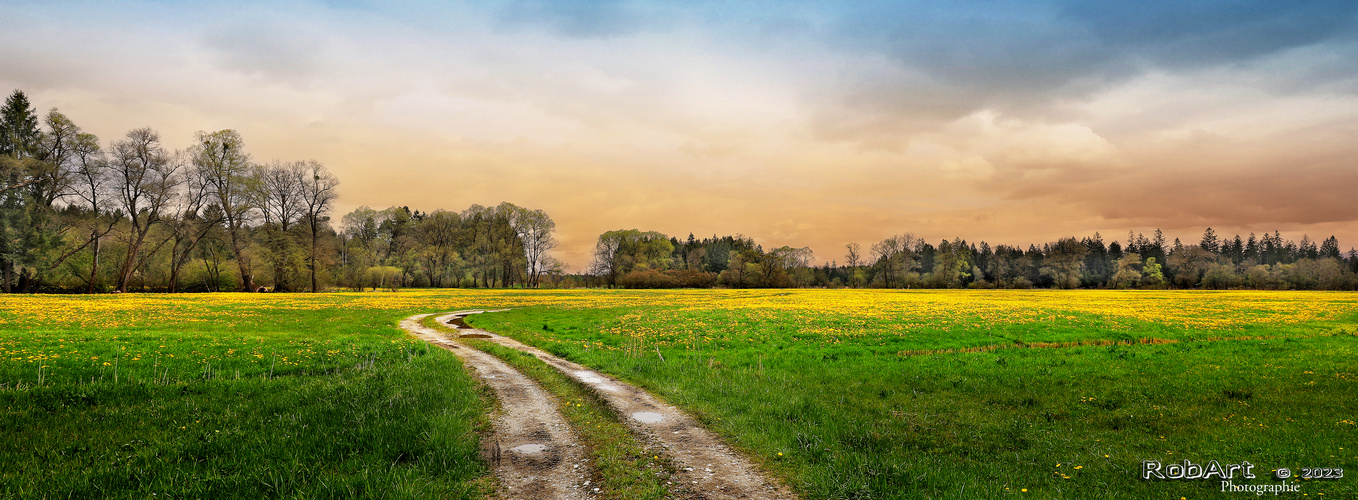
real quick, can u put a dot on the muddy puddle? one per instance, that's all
(466, 331)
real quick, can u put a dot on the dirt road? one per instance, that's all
(707, 468)
(535, 452)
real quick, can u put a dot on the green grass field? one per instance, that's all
(229, 397)
(830, 389)
(845, 394)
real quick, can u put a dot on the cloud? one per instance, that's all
(909, 66)
(797, 123)
(575, 18)
(273, 51)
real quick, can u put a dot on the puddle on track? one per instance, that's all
(648, 417)
(529, 449)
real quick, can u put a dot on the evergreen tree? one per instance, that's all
(19, 135)
(1330, 248)
(1210, 242)
(19, 144)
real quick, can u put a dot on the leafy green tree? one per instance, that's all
(1189, 263)
(1330, 248)
(436, 235)
(1129, 271)
(952, 264)
(1151, 274)
(1064, 262)
(625, 250)
(1221, 276)
(384, 277)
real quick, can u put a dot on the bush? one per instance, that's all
(647, 278)
(681, 278)
(693, 278)
(1221, 277)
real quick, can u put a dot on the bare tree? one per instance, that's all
(91, 188)
(143, 175)
(190, 222)
(220, 157)
(854, 255)
(897, 257)
(58, 150)
(279, 192)
(318, 193)
(279, 195)
(534, 228)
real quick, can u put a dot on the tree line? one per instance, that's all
(638, 259)
(81, 215)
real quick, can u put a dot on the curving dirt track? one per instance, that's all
(535, 452)
(707, 468)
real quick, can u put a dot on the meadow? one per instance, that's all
(230, 396)
(845, 393)
(989, 394)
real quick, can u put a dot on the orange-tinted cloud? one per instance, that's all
(808, 125)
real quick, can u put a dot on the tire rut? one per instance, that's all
(706, 467)
(535, 452)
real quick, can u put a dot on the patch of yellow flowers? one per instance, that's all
(855, 311)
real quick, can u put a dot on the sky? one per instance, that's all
(795, 123)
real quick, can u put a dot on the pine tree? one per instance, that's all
(1330, 248)
(19, 143)
(1209, 241)
(19, 135)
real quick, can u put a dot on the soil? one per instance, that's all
(706, 467)
(534, 451)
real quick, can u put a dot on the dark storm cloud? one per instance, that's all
(1211, 32)
(951, 59)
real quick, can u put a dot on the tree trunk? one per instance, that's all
(175, 264)
(7, 269)
(247, 280)
(314, 237)
(94, 267)
(125, 272)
